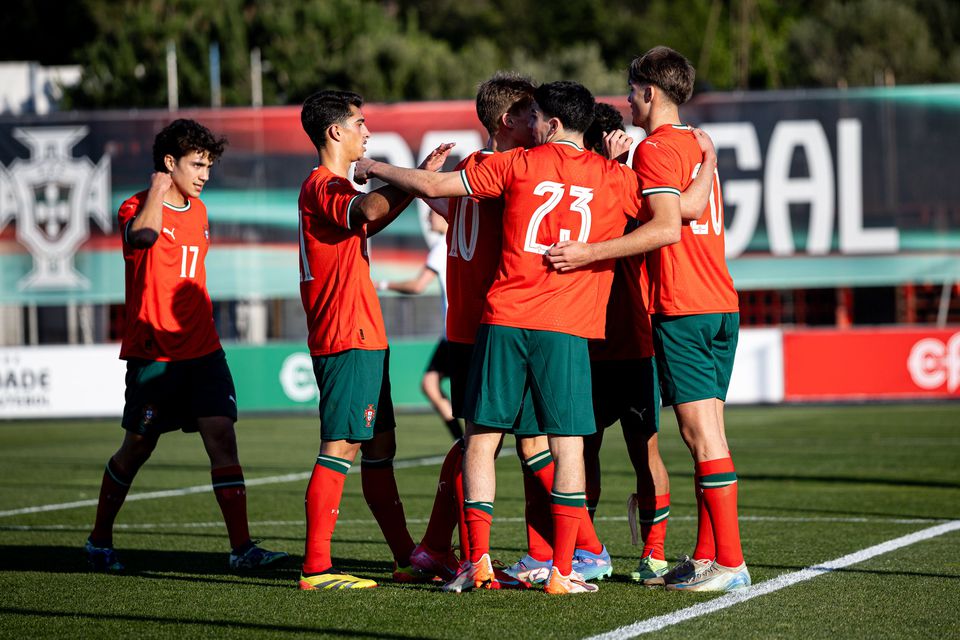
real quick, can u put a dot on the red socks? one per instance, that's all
(653, 517)
(113, 491)
(445, 514)
(568, 514)
(323, 507)
(479, 517)
(380, 492)
(537, 483)
(231, 494)
(718, 481)
(706, 548)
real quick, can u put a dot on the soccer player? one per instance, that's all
(177, 374)
(695, 311)
(346, 337)
(473, 236)
(622, 370)
(439, 366)
(535, 321)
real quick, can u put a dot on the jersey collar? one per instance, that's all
(568, 143)
(185, 207)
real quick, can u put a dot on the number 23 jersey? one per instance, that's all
(169, 315)
(557, 191)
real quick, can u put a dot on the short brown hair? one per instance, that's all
(505, 92)
(666, 69)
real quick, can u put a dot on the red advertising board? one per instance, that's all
(861, 364)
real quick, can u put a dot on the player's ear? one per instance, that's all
(169, 162)
(507, 120)
(334, 132)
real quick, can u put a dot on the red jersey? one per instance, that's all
(342, 308)
(473, 254)
(169, 315)
(553, 192)
(629, 333)
(691, 276)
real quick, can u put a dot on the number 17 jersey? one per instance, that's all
(557, 191)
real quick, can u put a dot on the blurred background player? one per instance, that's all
(177, 377)
(623, 372)
(346, 337)
(439, 366)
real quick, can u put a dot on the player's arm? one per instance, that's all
(440, 206)
(379, 208)
(144, 229)
(412, 287)
(696, 197)
(419, 183)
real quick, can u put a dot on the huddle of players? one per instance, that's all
(524, 300)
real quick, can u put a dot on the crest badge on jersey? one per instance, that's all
(369, 415)
(52, 195)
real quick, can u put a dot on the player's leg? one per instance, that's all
(490, 411)
(437, 370)
(146, 415)
(349, 385)
(559, 368)
(118, 475)
(536, 463)
(698, 353)
(379, 482)
(205, 384)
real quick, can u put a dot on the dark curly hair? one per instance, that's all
(606, 118)
(181, 137)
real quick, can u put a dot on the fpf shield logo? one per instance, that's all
(369, 415)
(52, 196)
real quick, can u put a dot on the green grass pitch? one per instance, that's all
(816, 483)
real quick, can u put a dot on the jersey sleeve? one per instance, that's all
(631, 197)
(334, 198)
(658, 167)
(128, 211)
(489, 179)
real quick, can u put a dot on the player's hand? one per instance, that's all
(706, 144)
(568, 255)
(434, 161)
(616, 145)
(361, 170)
(160, 182)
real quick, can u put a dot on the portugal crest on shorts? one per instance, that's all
(369, 414)
(148, 414)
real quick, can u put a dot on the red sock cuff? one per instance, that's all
(720, 465)
(661, 501)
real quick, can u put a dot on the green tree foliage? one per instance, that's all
(427, 49)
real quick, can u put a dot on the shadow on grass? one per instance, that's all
(188, 623)
(190, 565)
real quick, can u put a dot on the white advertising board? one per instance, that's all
(61, 382)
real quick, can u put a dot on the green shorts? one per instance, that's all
(460, 354)
(554, 367)
(355, 398)
(166, 396)
(695, 355)
(626, 390)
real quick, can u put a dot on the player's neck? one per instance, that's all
(174, 197)
(563, 135)
(663, 116)
(499, 143)
(335, 161)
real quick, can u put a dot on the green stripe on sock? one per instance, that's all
(568, 499)
(718, 480)
(651, 516)
(538, 460)
(486, 507)
(339, 465)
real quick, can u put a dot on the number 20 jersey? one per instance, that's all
(553, 192)
(169, 315)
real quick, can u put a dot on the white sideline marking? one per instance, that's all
(367, 521)
(203, 488)
(780, 582)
